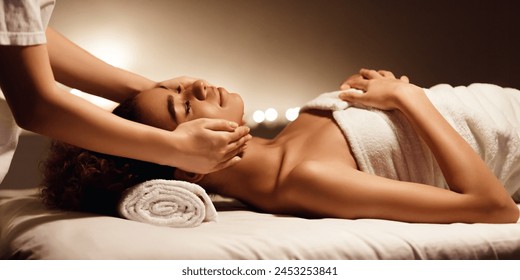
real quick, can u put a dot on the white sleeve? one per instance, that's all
(23, 22)
(9, 133)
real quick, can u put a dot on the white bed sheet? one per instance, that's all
(29, 231)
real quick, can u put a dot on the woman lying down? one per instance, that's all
(380, 148)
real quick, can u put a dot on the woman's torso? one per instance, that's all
(313, 136)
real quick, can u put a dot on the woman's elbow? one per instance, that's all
(502, 211)
(509, 213)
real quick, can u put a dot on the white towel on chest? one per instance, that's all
(384, 143)
(167, 203)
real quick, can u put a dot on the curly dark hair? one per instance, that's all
(81, 180)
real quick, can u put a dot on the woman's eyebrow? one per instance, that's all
(171, 109)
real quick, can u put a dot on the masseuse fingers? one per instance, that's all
(235, 136)
(227, 163)
(232, 152)
(239, 136)
(178, 83)
(230, 158)
(235, 149)
(220, 125)
(238, 142)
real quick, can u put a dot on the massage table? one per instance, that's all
(30, 231)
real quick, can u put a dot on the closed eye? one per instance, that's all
(187, 106)
(171, 109)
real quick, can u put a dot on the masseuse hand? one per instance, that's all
(382, 90)
(183, 81)
(209, 145)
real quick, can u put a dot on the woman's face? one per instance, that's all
(167, 108)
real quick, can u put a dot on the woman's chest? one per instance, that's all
(315, 136)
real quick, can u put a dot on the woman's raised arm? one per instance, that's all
(335, 189)
(477, 195)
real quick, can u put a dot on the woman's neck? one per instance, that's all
(254, 176)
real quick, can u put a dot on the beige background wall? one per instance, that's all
(282, 53)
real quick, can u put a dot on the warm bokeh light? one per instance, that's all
(292, 113)
(271, 114)
(258, 116)
(114, 50)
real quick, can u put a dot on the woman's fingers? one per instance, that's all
(361, 80)
(357, 81)
(404, 79)
(344, 86)
(370, 74)
(386, 74)
(352, 96)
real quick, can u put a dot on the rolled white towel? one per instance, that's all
(167, 203)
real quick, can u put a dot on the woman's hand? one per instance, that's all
(382, 90)
(209, 145)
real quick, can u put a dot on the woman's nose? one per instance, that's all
(199, 90)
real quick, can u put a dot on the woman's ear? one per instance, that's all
(191, 177)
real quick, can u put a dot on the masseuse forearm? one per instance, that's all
(40, 106)
(75, 67)
(73, 120)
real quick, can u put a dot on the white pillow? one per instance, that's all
(9, 133)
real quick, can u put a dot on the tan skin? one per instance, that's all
(309, 170)
(28, 76)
